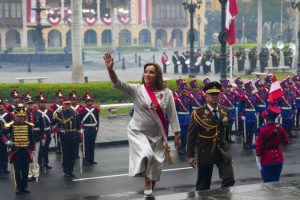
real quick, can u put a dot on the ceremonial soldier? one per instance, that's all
(56, 107)
(198, 96)
(184, 63)
(264, 59)
(34, 169)
(247, 106)
(229, 100)
(44, 116)
(262, 101)
(179, 82)
(217, 62)
(241, 57)
(90, 122)
(5, 118)
(239, 92)
(15, 100)
(207, 132)
(21, 146)
(206, 61)
(206, 81)
(288, 57)
(165, 61)
(293, 94)
(268, 82)
(296, 79)
(269, 156)
(275, 57)
(176, 61)
(252, 56)
(77, 108)
(183, 104)
(286, 104)
(67, 124)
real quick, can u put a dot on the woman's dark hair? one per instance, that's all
(159, 81)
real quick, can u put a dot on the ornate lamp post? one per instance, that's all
(191, 5)
(223, 39)
(296, 4)
(199, 23)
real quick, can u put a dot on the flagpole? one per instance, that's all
(231, 63)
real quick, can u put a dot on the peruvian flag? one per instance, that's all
(231, 12)
(275, 90)
(30, 14)
(143, 11)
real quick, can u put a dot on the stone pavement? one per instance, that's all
(265, 191)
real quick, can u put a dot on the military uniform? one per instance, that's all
(44, 116)
(22, 145)
(268, 151)
(89, 117)
(239, 92)
(16, 98)
(241, 57)
(286, 104)
(275, 57)
(207, 132)
(296, 79)
(252, 56)
(197, 96)
(264, 59)
(5, 118)
(262, 99)
(176, 61)
(248, 108)
(229, 100)
(183, 104)
(288, 57)
(67, 123)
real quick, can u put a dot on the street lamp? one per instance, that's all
(222, 39)
(191, 6)
(296, 4)
(199, 23)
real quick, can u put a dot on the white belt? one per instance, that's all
(230, 108)
(36, 129)
(89, 125)
(261, 106)
(47, 128)
(298, 98)
(286, 108)
(249, 109)
(194, 107)
(183, 113)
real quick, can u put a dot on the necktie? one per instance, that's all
(215, 112)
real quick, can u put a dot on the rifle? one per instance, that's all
(82, 152)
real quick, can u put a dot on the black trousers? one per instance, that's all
(175, 69)
(165, 68)
(241, 64)
(21, 167)
(3, 157)
(69, 142)
(90, 135)
(44, 151)
(205, 174)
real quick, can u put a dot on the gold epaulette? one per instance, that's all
(202, 123)
(29, 123)
(8, 125)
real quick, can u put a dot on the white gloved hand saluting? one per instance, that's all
(9, 143)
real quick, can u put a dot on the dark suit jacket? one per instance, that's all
(207, 135)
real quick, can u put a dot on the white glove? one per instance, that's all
(257, 158)
(279, 116)
(43, 142)
(243, 118)
(9, 143)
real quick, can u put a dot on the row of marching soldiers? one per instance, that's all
(26, 131)
(245, 106)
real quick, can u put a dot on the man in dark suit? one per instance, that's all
(207, 132)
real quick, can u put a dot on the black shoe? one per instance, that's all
(18, 191)
(231, 142)
(87, 163)
(77, 157)
(48, 167)
(25, 191)
(94, 163)
(72, 175)
(6, 172)
(31, 179)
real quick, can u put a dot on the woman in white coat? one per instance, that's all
(146, 129)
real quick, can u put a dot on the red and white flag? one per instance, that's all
(143, 11)
(275, 90)
(231, 12)
(31, 14)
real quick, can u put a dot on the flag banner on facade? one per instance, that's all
(31, 14)
(143, 11)
(275, 90)
(231, 12)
